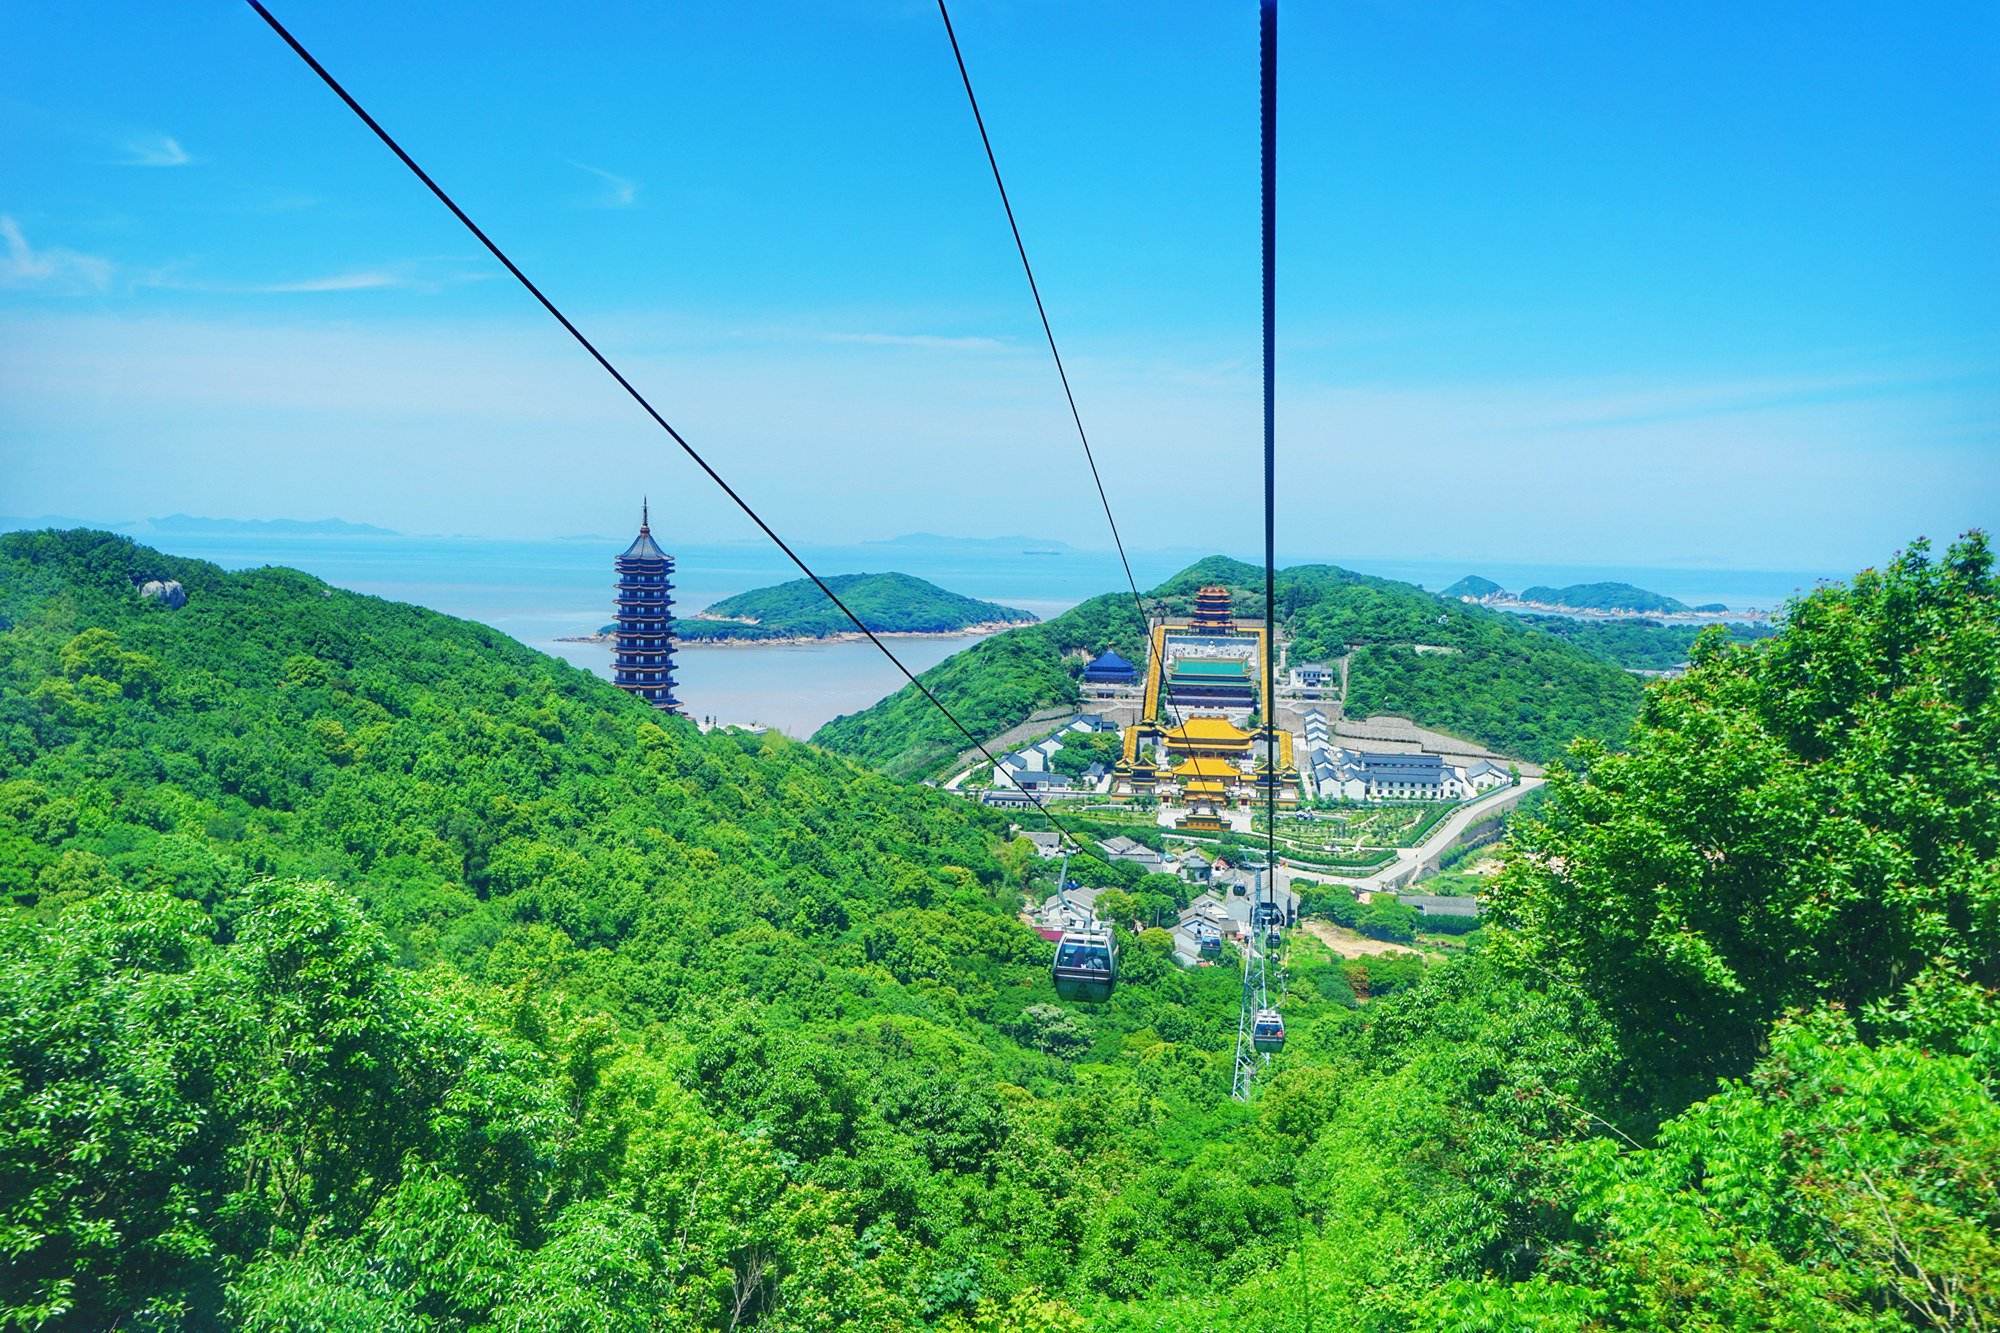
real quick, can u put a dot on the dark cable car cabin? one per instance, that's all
(1273, 938)
(1086, 966)
(1267, 1031)
(1209, 941)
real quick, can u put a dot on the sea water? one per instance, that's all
(542, 591)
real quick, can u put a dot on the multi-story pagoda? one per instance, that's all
(642, 647)
(1211, 609)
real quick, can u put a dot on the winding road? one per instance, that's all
(1410, 861)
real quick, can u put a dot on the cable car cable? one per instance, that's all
(637, 397)
(1034, 289)
(1268, 105)
(1259, 1026)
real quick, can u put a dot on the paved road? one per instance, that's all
(1411, 859)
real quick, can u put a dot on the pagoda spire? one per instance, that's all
(645, 514)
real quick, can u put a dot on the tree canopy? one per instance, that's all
(361, 968)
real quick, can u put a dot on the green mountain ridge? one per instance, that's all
(888, 603)
(1521, 691)
(361, 968)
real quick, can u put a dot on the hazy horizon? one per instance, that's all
(284, 528)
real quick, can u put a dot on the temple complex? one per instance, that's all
(1196, 743)
(642, 645)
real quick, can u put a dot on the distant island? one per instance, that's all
(1603, 597)
(798, 612)
(191, 525)
(182, 525)
(1589, 600)
(1473, 588)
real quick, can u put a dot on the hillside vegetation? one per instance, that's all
(1603, 597)
(989, 687)
(361, 969)
(1641, 645)
(886, 603)
(1520, 691)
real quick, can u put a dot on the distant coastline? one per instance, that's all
(1604, 600)
(1748, 615)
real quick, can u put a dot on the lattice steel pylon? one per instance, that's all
(1250, 1062)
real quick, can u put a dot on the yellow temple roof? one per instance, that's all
(1220, 770)
(1207, 730)
(1201, 787)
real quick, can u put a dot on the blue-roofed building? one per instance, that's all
(1110, 669)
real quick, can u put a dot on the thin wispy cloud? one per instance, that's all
(409, 277)
(366, 280)
(22, 265)
(619, 191)
(155, 150)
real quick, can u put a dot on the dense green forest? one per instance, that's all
(1503, 683)
(1639, 645)
(886, 603)
(362, 969)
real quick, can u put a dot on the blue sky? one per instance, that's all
(1709, 283)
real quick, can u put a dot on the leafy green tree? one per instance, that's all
(1385, 918)
(1841, 1187)
(1806, 820)
(1051, 1028)
(1117, 905)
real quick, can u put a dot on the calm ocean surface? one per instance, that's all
(540, 591)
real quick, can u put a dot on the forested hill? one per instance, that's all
(1638, 644)
(1521, 691)
(361, 969)
(1473, 586)
(1603, 597)
(887, 603)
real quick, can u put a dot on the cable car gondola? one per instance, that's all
(1086, 966)
(1209, 941)
(1267, 1031)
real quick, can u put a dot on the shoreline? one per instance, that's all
(980, 630)
(1749, 615)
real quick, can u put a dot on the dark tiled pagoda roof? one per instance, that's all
(643, 547)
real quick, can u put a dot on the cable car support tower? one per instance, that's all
(1259, 1029)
